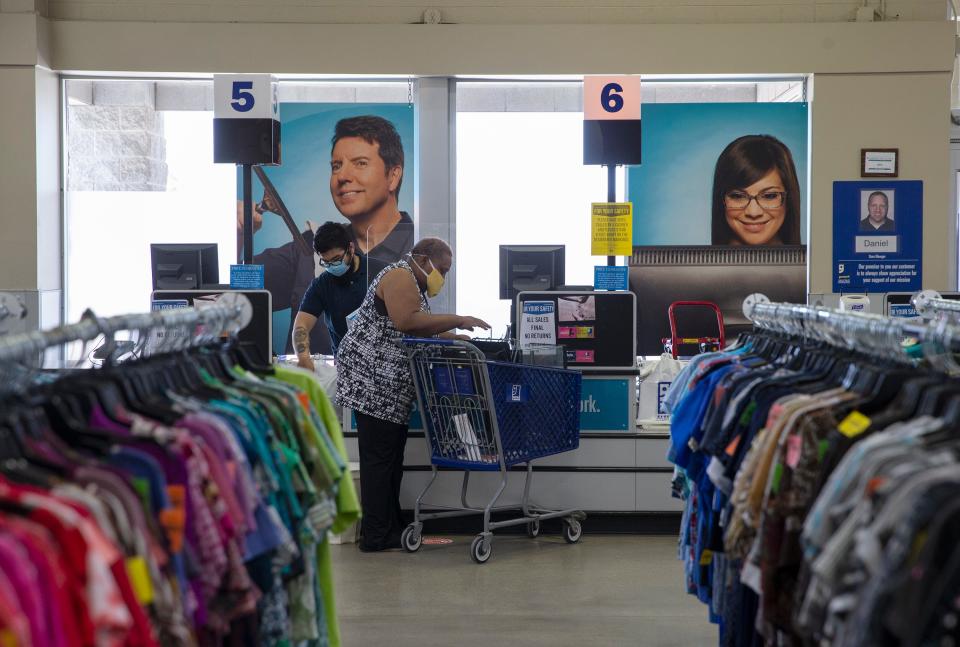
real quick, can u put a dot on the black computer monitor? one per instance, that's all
(184, 266)
(529, 268)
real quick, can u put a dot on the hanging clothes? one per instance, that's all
(183, 499)
(820, 494)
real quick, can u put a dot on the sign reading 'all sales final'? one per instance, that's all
(611, 228)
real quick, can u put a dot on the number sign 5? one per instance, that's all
(611, 97)
(243, 100)
(244, 96)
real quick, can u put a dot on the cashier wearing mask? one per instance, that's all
(337, 292)
(373, 377)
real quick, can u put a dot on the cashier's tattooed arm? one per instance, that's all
(301, 340)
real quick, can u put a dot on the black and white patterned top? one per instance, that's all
(373, 373)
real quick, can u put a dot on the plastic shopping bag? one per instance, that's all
(654, 387)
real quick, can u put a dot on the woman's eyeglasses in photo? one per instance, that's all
(765, 199)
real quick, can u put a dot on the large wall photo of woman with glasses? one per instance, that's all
(756, 196)
(721, 174)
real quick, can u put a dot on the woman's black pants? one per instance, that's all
(381, 446)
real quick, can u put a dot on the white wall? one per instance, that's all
(909, 63)
(448, 50)
(489, 11)
(854, 111)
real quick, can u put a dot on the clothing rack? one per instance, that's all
(821, 485)
(231, 314)
(99, 468)
(860, 331)
(929, 304)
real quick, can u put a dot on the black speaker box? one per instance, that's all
(246, 141)
(614, 141)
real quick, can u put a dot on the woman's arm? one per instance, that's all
(399, 292)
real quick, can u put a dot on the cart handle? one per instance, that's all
(411, 341)
(701, 304)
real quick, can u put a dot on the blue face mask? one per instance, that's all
(338, 269)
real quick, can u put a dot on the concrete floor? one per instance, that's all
(606, 590)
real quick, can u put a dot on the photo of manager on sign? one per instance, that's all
(877, 212)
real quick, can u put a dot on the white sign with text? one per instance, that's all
(538, 323)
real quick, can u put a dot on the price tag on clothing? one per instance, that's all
(854, 424)
(140, 579)
(777, 477)
(822, 447)
(794, 445)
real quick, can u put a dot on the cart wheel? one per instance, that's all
(572, 531)
(533, 529)
(480, 549)
(410, 539)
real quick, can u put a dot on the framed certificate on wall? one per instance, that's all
(879, 162)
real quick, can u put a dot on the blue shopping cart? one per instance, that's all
(484, 416)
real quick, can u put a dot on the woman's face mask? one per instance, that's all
(435, 279)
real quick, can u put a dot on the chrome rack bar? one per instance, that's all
(929, 304)
(865, 332)
(229, 316)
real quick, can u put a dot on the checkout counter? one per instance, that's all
(617, 468)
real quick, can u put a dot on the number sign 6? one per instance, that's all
(611, 97)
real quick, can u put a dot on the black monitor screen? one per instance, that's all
(179, 266)
(525, 268)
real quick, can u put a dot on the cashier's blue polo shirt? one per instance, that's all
(334, 297)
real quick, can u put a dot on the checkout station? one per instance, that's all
(617, 468)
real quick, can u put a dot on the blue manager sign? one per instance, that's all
(877, 236)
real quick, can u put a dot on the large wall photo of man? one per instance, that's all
(343, 164)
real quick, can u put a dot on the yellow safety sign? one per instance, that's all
(611, 227)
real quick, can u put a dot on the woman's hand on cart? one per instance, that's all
(469, 323)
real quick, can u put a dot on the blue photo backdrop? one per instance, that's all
(671, 190)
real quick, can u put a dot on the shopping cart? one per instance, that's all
(484, 416)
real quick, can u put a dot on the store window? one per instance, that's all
(521, 180)
(139, 170)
